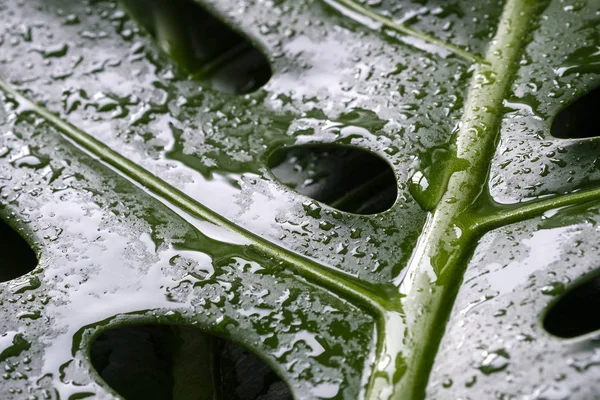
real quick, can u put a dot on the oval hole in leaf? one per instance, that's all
(170, 362)
(575, 313)
(205, 47)
(347, 178)
(578, 120)
(17, 257)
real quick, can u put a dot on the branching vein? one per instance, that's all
(353, 10)
(344, 285)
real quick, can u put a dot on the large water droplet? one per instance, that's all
(31, 161)
(12, 344)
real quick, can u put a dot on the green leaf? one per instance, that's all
(161, 180)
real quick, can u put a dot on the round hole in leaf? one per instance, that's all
(201, 44)
(171, 362)
(577, 120)
(17, 256)
(575, 312)
(347, 178)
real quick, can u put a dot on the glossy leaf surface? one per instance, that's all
(149, 195)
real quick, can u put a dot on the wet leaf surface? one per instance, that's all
(163, 182)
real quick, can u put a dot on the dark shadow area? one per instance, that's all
(577, 120)
(168, 362)
(575, 313)
(17, 257)
(346, 178)
(205, 47)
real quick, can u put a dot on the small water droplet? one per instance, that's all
(447, 383)
(553, 289)
(312, 209)
(493, 362)
(71, 19)
(57, 50)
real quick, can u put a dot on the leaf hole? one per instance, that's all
(578, 120)
(201, 44)
(171, 362)
(347, 178)
(17, 256)
(575, 312)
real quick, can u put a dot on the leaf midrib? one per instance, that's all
(439, 260)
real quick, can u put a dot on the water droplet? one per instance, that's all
(553, 289)
(57, 50)
(495, 361)
(29, 315)
(12, 344)
(71, 19)
(20, 286)
(312, 209)
(31, 161)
